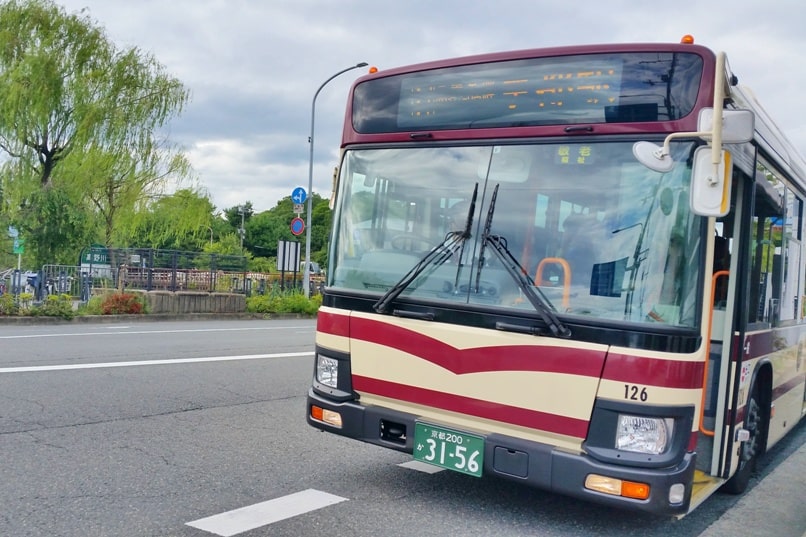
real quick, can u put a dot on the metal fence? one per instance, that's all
(148, 270)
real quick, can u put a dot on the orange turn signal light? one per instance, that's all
(631, 489)
(316, 413)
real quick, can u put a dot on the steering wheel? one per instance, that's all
(410, 242)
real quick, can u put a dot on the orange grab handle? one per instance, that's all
(566, 268)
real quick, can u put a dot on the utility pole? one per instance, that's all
(242, 231)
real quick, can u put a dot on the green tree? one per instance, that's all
(80, 116)
(180, 221)
(265, 230)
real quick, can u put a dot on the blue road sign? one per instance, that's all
(299, 195)
(297, 226)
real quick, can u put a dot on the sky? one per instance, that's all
(253, 66)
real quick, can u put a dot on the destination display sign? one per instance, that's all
(590, 88)
(500, 93)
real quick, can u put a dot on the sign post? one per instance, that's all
(19, 244)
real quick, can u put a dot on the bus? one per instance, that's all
(578, 268)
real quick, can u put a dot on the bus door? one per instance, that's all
(724, 334)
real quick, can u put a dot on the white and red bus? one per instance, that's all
(579, 268)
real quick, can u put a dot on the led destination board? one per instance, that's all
(594, 88)
(539, 88)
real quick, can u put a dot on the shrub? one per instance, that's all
(93, 306)
(284, 302)
(122, 303)
(54, 306)
(7, 305)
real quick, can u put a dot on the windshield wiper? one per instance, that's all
(514, 268)
(439, 254)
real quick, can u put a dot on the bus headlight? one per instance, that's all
(327, 371)
(641, 434)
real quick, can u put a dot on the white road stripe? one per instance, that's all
(262, 514)
(102, 365)
(421, 467)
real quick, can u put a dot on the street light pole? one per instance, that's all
(306, 274)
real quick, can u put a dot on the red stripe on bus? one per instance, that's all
(784, 388)
(332, 323)
(469, 406)
(653, 372)
(571, 361)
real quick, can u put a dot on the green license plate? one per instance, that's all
(460, 452)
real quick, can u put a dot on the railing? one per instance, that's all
(80, 284)
(104, 269)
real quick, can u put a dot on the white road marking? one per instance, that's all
(81, 334)
(421, 467)
(63, 367)
(264, 513)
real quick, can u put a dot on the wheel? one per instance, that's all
(754, 423)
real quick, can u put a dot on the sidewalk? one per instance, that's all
(775, 507)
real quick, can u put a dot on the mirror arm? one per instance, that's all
(719, 100)
(666, 149)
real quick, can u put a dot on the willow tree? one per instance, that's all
(81, 116)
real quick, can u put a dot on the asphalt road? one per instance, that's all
(197, 429)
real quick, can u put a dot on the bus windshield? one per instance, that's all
(595, 232)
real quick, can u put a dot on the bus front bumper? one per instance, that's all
(531, 463)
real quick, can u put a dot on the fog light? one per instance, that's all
(677, 493)
(617, 487)
(327, 416)
(600, 483)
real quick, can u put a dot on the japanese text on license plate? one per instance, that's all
(449, 449)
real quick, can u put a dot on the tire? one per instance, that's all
(754, 422)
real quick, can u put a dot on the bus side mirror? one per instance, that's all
(710, 183)
(737, 125)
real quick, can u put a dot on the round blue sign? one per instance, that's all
(297, 225)
(299, 195)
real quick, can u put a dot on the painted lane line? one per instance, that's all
(261, 514)
(64, 367)
(301, 329)
(421, 467)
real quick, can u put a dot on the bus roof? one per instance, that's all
(547, 52)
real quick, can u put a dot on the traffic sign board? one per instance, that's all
(299, 195)
(297, 226)
(19, 246)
